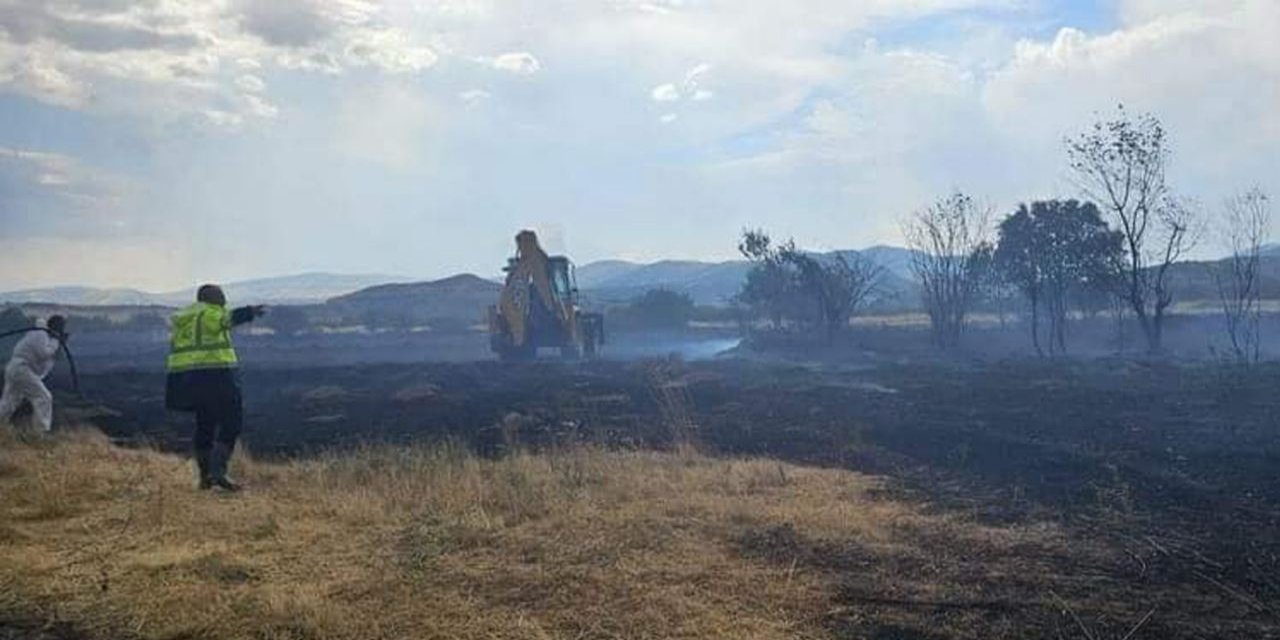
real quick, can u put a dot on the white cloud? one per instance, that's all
(224, 119)
(321, 62)
(256, 106)
(520, 63)
(692, 77)
(1210, 71)
(173, 57)
(34, 74)
(689, 89)
(186, 53)
(891, 129)
(895, 126)
(46, 192)
(1137, 12)
(790, 114)
(287, 23)
(391, 50)
(474, 96)
(251, 83)
(665, 93)
(52, 168)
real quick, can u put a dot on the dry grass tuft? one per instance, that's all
(423, 542)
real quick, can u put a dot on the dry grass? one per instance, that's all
(423, 542)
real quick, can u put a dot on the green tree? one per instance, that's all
(1051, 251)
(770, 286)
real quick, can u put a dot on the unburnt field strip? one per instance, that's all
(434, 542)
(1154, 485)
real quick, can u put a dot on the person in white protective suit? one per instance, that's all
(32, 360)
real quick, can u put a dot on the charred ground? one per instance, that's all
(1162, 474)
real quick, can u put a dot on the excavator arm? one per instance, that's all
(530, 272)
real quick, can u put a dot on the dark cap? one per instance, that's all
(211, 294)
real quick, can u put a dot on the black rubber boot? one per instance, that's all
(203, 464)
(218, 468)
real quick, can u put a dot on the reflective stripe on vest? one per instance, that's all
(201, 339)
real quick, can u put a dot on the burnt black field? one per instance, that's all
(1166, 472)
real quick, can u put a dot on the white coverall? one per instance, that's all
(32, 360)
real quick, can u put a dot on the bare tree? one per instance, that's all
(838, 285)
(1247, 217)
(852, 282)
(951, 257)
(1120, 164)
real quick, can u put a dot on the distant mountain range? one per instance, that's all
(306, 288)
(463, 298)
(605, 282)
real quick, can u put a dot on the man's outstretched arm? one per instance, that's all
(244, 315)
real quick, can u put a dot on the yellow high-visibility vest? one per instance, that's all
(201, 339)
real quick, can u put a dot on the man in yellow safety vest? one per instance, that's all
(204, 379)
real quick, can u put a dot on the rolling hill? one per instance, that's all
(456, 301)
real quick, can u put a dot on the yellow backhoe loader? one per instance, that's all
(538, 308)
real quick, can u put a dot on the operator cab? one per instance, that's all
(562, 279)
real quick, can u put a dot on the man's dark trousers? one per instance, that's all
(214, 396)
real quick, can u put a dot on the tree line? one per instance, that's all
(1114, 247)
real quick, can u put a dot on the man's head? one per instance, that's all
(56, 324)
(211, 294)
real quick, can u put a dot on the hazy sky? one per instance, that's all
(161, 142)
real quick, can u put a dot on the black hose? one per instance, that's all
(62, 346)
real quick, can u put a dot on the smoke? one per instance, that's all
(639, 347)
